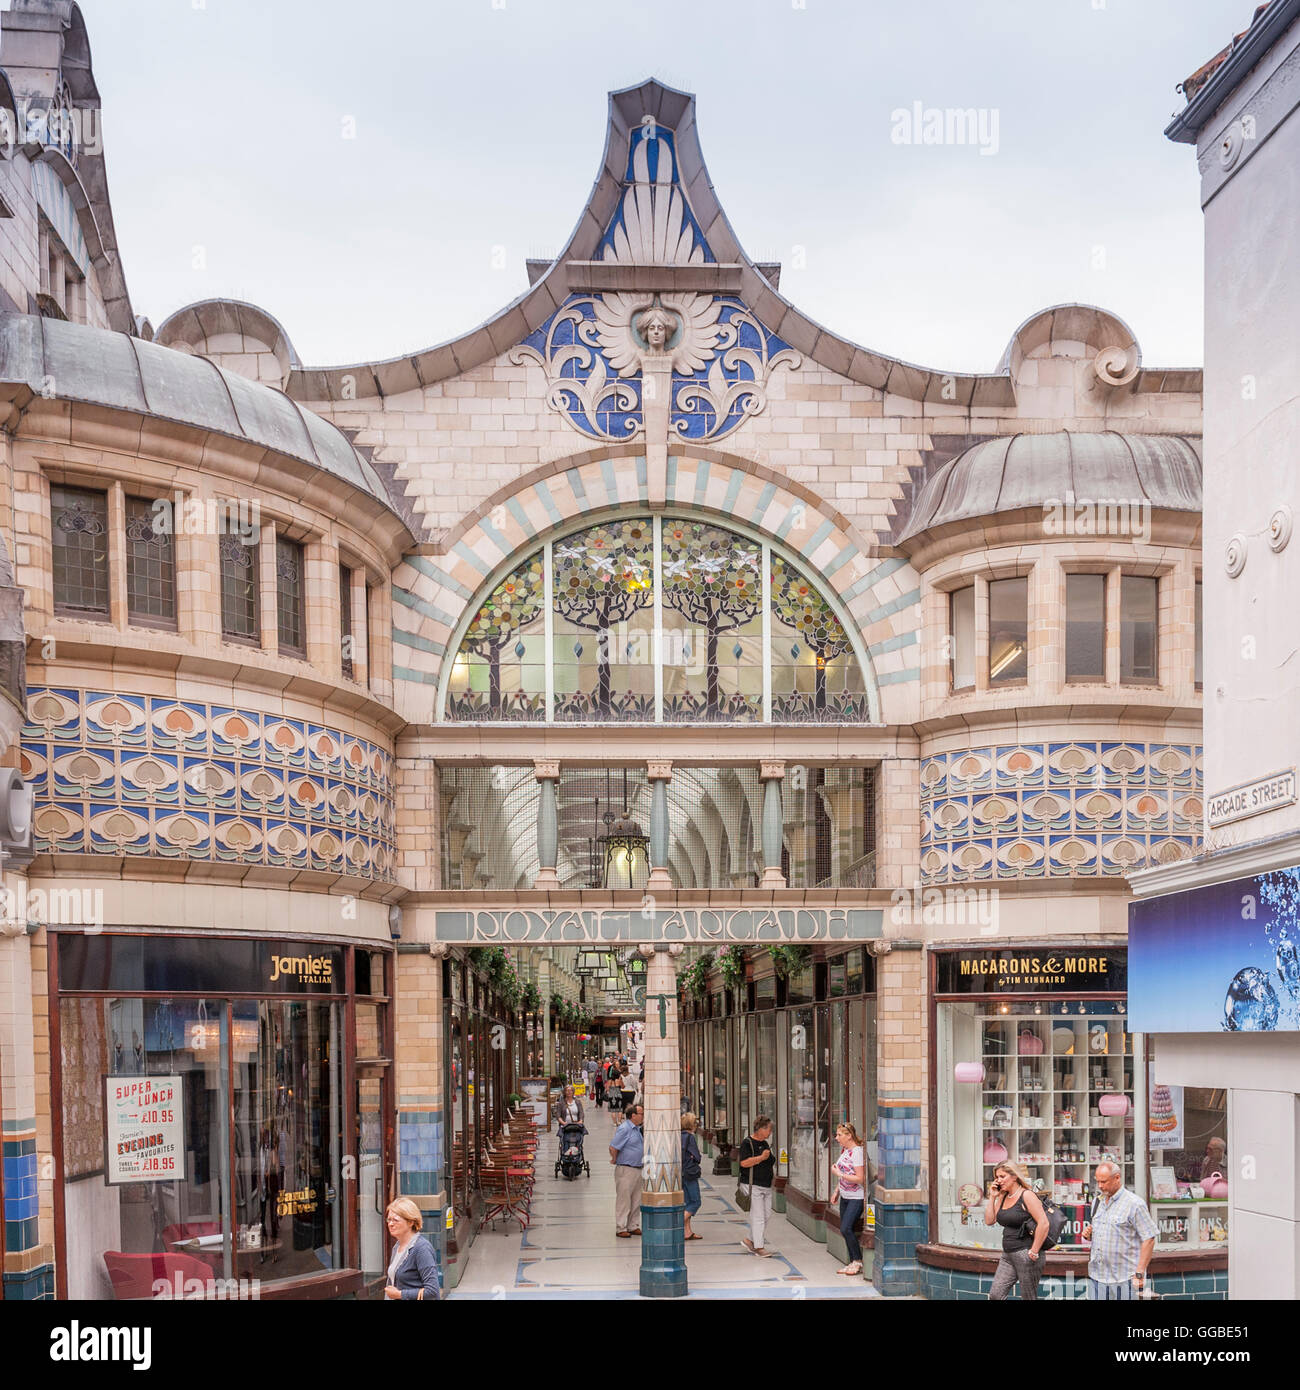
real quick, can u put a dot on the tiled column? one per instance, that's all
(900, 1193)
(659, 774)
(548, 825)
(28, 1266)
(663, 1209)
(420, 1101)
(772, 774)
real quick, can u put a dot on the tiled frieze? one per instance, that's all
(1058, 809)
(144, 775)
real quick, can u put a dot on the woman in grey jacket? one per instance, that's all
(413, 1270)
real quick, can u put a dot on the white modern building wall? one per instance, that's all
(1245, 123)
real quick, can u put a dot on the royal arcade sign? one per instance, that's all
(558, 926)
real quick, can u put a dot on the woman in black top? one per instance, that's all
(1012, 1202)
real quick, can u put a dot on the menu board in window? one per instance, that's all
(144, 1130)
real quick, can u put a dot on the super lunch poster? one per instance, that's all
(1219, 959)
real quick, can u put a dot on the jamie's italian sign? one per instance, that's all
(144, 1136)
(1032, 970)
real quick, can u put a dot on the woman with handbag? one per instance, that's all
(1013, 1205)
(692, 1167)
(757, 1166)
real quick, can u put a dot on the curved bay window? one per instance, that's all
(203, 1129)
(656, 620)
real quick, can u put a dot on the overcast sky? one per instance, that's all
(479, 125)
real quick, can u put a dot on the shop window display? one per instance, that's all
(270, 1209)
(1056, 1094)
(1188, 1172)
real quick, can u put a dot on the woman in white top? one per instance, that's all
(851, 1170)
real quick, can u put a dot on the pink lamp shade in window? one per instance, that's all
(1112, 1104)
(972, 1072)
(995, 1152)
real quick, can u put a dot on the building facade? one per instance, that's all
(1215, 940)
(350, 758)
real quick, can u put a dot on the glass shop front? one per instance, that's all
(1035, 1065)
(801, 1051)
(224, 1116)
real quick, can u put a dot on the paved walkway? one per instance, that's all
(570, 1251)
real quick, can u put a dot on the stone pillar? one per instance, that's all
(663, 1209)
(660, 774)
(548, 824)
(900, 1194)
(772, 774)
(422, 1105)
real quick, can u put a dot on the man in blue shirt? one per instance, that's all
(1123, 1236)
(625, 1153)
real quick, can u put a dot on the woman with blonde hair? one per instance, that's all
(413, 1270)
(851, 1170)
(692, 1167)
(1013, 1205)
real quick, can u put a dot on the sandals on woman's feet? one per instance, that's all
(850, 1269)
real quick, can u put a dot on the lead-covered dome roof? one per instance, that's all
(99, 367)
(1031, 470)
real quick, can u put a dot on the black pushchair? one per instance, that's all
(571, 1161)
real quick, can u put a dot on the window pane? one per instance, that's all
(712, 602)
(1187, 1128)
(961, 626)
(1085, 627)
(345, 619)
(802, 1102)
(815, 676)
(80, 545)
(288, 594)
(603, 593)
(150, 565)
(1200, 645)
(239, 588)
(718, 1114)
(1008, 629)
(1138, 642)
(122, 1236)
(288, 1137)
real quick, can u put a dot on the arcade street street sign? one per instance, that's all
(1251, 798)
(554, 927)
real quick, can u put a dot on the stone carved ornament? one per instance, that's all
(594, 348)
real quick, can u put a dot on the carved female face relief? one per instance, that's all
(656, 326)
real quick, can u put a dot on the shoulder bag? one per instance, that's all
(745, 1191)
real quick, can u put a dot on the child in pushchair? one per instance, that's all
(571, 1161)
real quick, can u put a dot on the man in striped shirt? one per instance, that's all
(1123, 1235)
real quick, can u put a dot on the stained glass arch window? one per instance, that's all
(647, 619)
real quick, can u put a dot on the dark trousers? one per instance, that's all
(1016, 1265)
(850, 1210)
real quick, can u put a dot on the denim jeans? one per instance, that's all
(1110, 1293)
(691, 1191)
(850, 1210)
